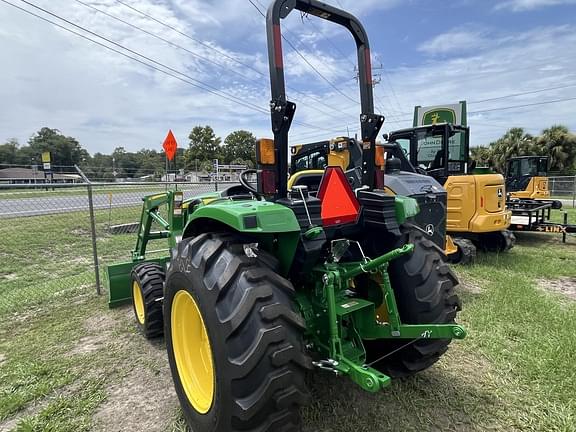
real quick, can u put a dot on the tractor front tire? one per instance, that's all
(233, 338)
(147, 293)
(424, 289)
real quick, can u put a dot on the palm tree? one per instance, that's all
(481, 155)
(558, 143)
(515, 142)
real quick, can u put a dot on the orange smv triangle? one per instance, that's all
(170, 145)
(339, 205)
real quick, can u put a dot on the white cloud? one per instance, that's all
(455, 42)
(510, 64)
(51, 78)
(525, 5)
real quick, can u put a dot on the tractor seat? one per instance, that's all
(308, 178)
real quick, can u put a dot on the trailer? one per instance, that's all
(534, 215)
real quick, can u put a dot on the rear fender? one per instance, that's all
(273, 226)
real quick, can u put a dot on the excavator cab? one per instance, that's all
(476, 208)
(527, 177)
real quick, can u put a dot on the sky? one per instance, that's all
(204, 62)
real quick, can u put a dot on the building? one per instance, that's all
(34, 176)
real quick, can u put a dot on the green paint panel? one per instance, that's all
(271, 217)
(351, 305)
(405, 208)
(118, 281)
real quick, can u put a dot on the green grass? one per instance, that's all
(514, 372)
(118, 188)
(558, 215)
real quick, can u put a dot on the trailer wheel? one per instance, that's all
(424, 289)
(147, 293)
(233, 338)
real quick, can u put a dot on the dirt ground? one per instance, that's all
(565, 286)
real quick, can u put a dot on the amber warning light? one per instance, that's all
(339, 204)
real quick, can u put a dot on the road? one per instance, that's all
(21, 207)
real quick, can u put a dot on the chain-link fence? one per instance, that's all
(563, 188)
(50, 233)
(46, 244)
(117, 211)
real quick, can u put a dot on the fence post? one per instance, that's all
(573, 191)
(92, 228)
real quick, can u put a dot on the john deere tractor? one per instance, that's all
(476, 202)
(401, 177)
(263, 285)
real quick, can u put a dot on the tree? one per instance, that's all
(515, 142)
(557, 142)
(125, 163)
(66, 151)
(482, 155)
(204, 146)
(9, 152)
(240, 145)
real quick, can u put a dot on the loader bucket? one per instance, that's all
(118, 281)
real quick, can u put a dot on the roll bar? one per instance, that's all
(282, 111)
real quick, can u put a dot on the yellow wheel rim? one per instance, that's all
(138, 302)
(192, 352)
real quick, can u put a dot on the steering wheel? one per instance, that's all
(244, 182)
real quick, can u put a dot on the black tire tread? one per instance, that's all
(266, 360)
(466, 254)
(151, 279)
(424, 287)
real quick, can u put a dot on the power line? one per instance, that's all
(188, 80)
(340, 127)
(514, 95)
(524, 105)
(378, 102)
(224, 54)
(307, 62)
(199, 83)
(188, 51)
(206, 59)
(523, 93)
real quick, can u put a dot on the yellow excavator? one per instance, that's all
(476, 207)
(527, 179)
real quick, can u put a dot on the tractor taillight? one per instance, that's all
(265, 152)
(380, 158)
(267, 180)
(339, 204)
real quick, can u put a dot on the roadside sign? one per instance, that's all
(46, 157)
(170, 145)
(47, 166)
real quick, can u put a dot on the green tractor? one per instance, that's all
(264, 284)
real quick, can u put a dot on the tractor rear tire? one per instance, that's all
(424, 286)
(253, 361)
(147, 293)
